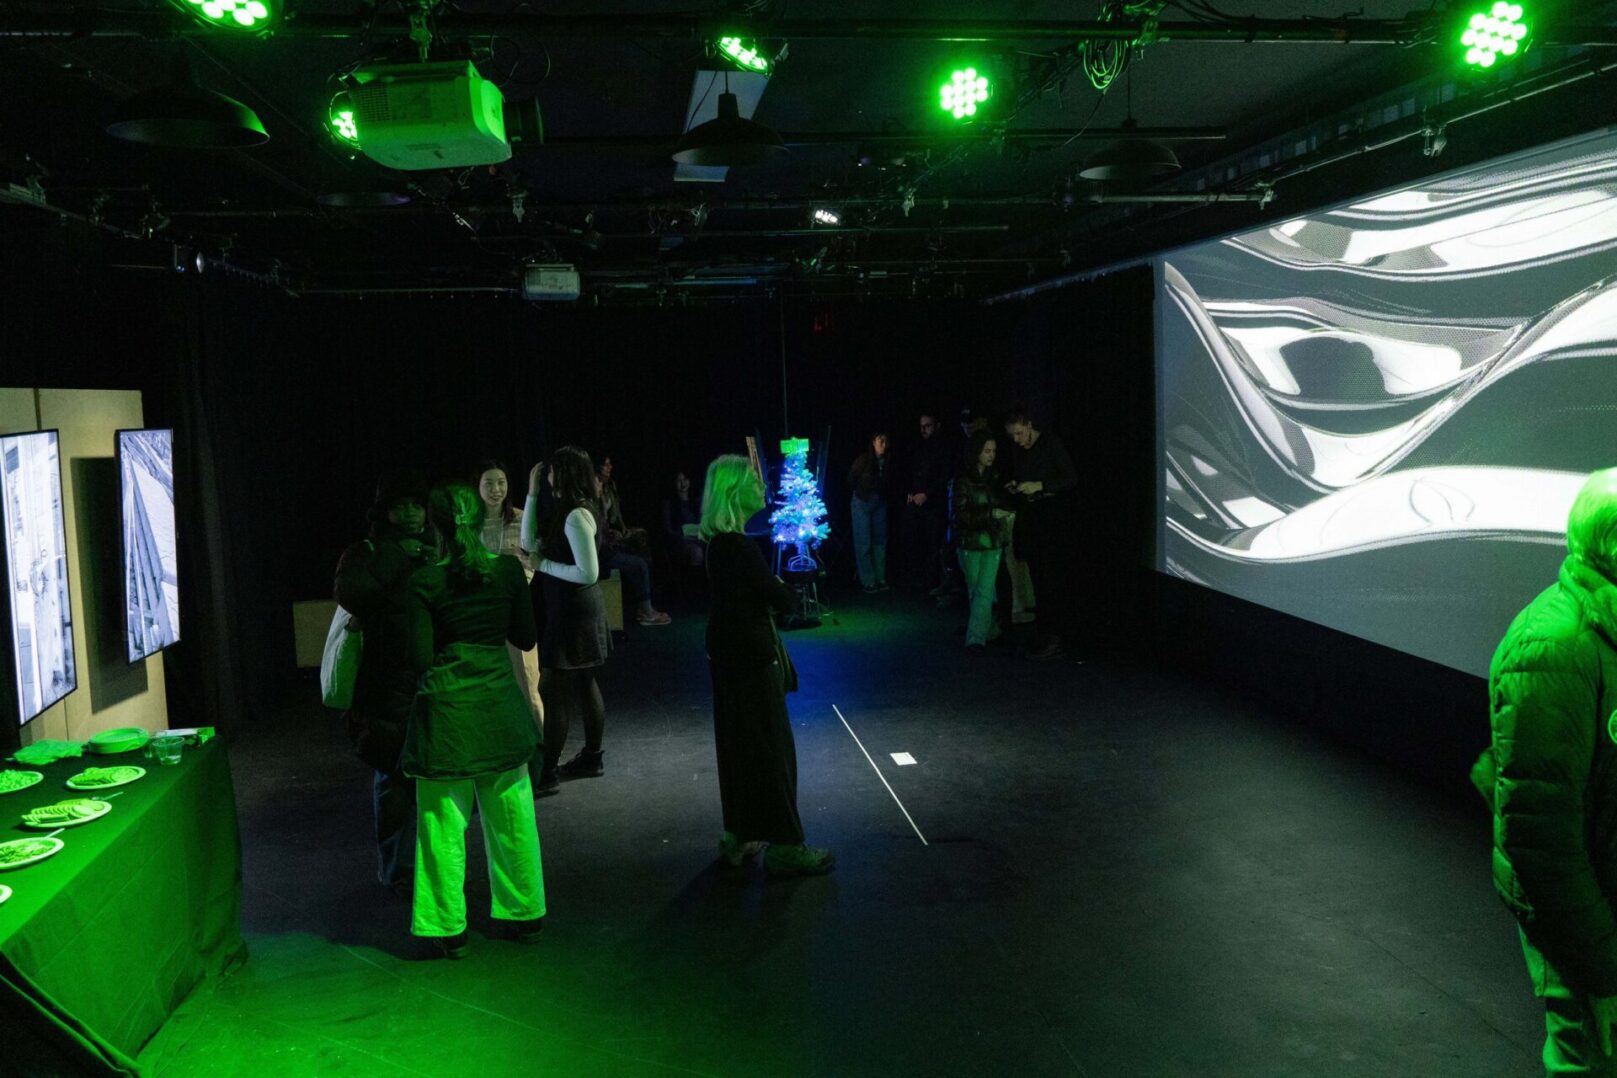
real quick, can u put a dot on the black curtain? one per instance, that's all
(286, 409)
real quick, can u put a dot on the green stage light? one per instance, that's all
(340, 119)
(1499, 32)
(745, 53)
(232, 14)
(964, 91)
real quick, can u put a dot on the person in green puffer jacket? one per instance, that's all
(1550, 776)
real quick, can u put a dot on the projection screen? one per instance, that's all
(1375, 417)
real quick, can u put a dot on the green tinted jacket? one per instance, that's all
(1551, 775)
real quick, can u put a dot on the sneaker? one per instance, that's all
(799, 860)
(450, 946)
(527, 931)
(586, 765)
(549, 783)
(735, 853)
(881, 585)
(871, 589)
(1049, 649)
(656, 617)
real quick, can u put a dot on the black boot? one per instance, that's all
(586, 765)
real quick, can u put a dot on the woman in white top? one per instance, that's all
(574, 640)
(502, 534)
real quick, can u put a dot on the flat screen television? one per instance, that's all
(40, 608)
(150, 574)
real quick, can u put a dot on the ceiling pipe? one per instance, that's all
(985, 135)
(767, 233)
(759, 204)
(162, 24)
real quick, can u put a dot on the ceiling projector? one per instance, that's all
(425, 116)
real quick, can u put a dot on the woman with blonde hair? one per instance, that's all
(470, 735)
(752, 674)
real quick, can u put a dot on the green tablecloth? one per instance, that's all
(100, 943)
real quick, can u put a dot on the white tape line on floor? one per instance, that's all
(879, 775)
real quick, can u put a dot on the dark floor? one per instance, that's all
(1125, 874)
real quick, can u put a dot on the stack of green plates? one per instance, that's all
(123, 739)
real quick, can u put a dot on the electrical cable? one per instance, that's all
(702, 100)
(1106, 61)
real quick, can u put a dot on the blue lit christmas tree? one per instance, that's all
(800, 520)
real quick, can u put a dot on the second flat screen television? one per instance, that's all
(150, 573)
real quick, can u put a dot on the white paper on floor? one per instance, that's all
(902, 758)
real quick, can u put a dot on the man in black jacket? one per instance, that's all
(926, 507)
(1045, 483)
(373, 581)
(869, 479)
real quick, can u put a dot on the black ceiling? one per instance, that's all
(987, 216)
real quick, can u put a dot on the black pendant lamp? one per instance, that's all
(1130, 160)
(728, 140)
(184, 115)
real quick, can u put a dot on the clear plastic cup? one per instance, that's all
(166, 748)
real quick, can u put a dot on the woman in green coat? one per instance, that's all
(471, 734)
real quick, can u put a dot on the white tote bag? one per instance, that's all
(339, 663)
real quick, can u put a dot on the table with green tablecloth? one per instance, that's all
(100, 943)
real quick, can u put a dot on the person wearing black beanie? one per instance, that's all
(372, 584)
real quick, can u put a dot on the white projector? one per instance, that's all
(550, 282)
(424, 116)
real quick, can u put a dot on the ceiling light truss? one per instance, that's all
(137, 22)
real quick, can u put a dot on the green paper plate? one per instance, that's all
(123, 739)
(27, 851)
(12, 781)
(105, 778)
(96, 809)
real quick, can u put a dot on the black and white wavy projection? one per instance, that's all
(1376, 417)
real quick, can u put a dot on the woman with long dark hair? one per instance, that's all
(502, 534)
(471, 734)
(752, 674)
(575, 642)
(981, 530)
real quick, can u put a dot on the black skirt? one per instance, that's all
(757, 756)
(575, 635)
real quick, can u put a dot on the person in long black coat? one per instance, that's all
(373, 585)
(751, 676)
